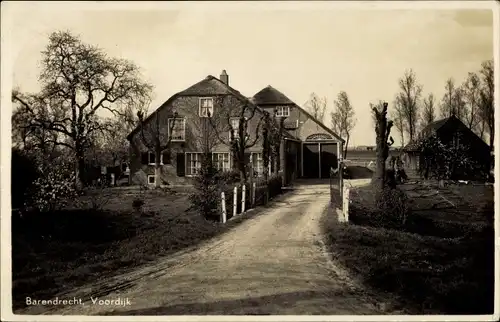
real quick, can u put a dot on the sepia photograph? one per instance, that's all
(249, 158)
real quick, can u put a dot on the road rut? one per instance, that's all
(274, 263)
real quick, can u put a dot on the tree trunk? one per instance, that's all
(346, 145)
(379, 176)
(79, 167)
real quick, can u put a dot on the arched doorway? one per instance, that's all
(319, 153)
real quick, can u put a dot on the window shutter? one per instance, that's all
(144, 158)
(166, 157)
(181, 164)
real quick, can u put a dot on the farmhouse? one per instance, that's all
(450, 130)
(205, 115)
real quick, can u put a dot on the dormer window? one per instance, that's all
(282, 111)
(206, 106)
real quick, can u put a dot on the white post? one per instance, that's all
(235, 200)
(253, 194)
(345, 206)
(223, 207)
(243, 195)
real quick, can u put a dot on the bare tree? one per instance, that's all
(342, 118)
(38, 143)
(399, 120)
(408, 99)
(486, 107)
(272, 137)
(78, 82)
(316, 106)
(459, 104)
(383, 141)
(472, 96)
(157, 133)
(429, 110)
(453, 102)
(239, 120)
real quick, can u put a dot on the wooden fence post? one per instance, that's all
(341, 180)
(235, 200)
(243, 197)
(253, 193)
(345, 204)
(223, 197)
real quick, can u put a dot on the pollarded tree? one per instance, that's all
(238, 121)
(80, 82)
(157, 133)
(383, 141)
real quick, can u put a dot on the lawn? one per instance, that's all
(54, 253)
(440, 262)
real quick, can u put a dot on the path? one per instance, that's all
(271, 264)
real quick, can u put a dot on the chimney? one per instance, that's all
(224, 77)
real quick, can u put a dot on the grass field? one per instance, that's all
(57, 252)
(441, 262)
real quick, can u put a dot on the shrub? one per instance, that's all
(232, 176)
(392, 203)
(52, 189)
(138, 203)
(207, 186)
(389, 209)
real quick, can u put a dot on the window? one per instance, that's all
(235, 126)
(193, 163)
(221, 161)
(206, 106)
(258, 164)
(151, 179)
(152, 158)
(283, 111)
(178, 128)
(164, 156)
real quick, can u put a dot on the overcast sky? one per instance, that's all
(298, 51)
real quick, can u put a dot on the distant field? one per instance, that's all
(365, 155)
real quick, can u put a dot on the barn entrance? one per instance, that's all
(319, 154)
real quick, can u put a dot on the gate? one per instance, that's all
(336, 182)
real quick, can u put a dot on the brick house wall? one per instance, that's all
(173, 170)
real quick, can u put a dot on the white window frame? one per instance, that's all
(282, 111)
(256, 168)
(183, 122)
(151, 176)
(150, 154)
(188, 165)
(154, 163)
(236, 130)
(215, 159)
(201, 107)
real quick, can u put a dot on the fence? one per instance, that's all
(238, 198)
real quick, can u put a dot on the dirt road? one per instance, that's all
(274, 263)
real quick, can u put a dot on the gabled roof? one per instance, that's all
(272, 96)
(426, 132)
(432, 128)
(209, 86)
